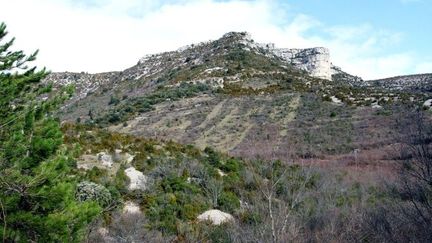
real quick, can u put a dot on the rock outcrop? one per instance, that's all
(105, 159)
(155, 67)
(315, 61)
(216, 217)
(137, 179)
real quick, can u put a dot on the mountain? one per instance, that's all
(241, 97)
(314, 61)
(258, 142)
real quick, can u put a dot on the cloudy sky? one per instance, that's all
(370, 38)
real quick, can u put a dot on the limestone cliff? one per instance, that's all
(315, 61)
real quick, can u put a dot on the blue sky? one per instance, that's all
(410, 18)
(373, 39)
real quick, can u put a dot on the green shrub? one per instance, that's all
(219, 234)
(228, 201)
(250, 218)
(89, 191)
(231, 165)
(121, 180)
(113, 101)
(213, 157)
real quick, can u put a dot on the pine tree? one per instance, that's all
(37, 188)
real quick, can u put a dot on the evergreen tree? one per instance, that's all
(37, 188)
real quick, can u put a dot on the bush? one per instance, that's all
(89, 191)
(213, 157)
(219, 234)
(231, 165)
(228, 201)
(250, 218)
(113, 101)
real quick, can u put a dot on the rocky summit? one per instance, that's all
(314, 61)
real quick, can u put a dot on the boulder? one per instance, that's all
(106, 159)
(131, 208)
(137, 179)
(428, 103)
(216, 217)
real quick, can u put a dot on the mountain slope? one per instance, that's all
(240, 97)
(416, 83)
(314, 150)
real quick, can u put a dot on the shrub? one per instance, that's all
(231, 165)
(89, 191)
(250, 218)
(219, 234)
(113, 101)
(228, 201)
(213, 157)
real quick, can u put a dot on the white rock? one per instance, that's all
(106, 159)
(428, 103)
(221, 173)
(376, 106)
(210, 70)
(103, 231)
(336, 100)
(137, 179)
(216, 217)
(131, 208)
(315, 61)
(129, 158)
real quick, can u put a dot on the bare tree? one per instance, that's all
(213, 189)
(284, 189)
(408, 217)
(125, 228)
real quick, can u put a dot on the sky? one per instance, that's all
(369, 38)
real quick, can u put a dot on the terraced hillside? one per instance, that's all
(240, 97)
(229, 141)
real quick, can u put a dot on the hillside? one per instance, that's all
(415, 83)
(237, 95)
(259, 142)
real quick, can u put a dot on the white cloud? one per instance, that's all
(96, 35)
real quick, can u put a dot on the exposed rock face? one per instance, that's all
(106, 159)
(137, 179)
(315, 61)
(216, 217)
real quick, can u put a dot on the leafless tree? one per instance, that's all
(126, 228)
(408, 217)
(283, 190)
(213, 189)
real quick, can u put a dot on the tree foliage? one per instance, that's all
(37, 188)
